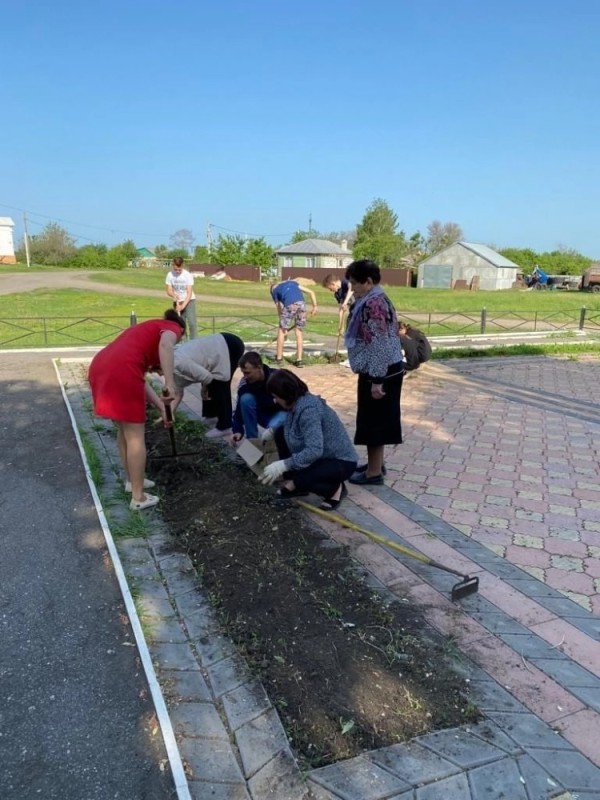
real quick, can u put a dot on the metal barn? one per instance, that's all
(464, 265)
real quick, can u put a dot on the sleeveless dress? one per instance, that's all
(117, 373)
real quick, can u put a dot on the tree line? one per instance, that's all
(377, 236)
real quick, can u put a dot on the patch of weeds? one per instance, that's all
(93, 459)
(134, 528)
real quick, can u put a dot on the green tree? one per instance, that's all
(118, 257)
(53, 245)
(378, 238)
(90, 256)
(129, 249)
(202, 255)
(160, 250)
(176, 252)
(564, 261)
(524, 257)
(229, 250)
(300, 236)
(259, 253)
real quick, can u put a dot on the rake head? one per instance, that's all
(465, 587)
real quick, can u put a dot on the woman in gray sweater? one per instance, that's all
(315, 451)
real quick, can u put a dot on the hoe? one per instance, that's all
(468, 585)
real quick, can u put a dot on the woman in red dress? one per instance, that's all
(120, 391)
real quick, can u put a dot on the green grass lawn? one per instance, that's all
(42, 311)
(416, 300)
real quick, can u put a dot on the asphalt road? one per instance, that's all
(76, 718)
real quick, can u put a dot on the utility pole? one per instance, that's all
(310, 221)
(209, 237)
(26, 239)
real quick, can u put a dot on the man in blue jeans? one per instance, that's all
(255, 406)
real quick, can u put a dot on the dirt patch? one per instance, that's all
(347, 671)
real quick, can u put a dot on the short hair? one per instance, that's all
(173, 316)
(252, 358)
(287, 386)
(329, 279)
(361, 271)
(178, 261)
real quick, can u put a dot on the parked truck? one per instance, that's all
(590, 281)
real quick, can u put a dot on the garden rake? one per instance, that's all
(171, 429)
(468, 585)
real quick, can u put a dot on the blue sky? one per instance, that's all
(136, 118)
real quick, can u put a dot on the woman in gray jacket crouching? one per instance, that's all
(315, 451)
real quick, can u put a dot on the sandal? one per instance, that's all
(330, 504)
(149, 501)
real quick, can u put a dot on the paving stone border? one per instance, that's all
(231, 737)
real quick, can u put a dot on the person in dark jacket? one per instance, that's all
(342, 291)
(315, 451)
(255, 405)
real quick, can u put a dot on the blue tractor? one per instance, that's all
(539, 279)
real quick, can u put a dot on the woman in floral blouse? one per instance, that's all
(375, 353)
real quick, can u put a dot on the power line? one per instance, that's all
(136, 233)
(85, 224)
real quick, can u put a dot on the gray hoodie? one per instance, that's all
(201, 361)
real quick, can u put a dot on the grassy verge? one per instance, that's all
(571, 350)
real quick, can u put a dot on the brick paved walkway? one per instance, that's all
(498, 477)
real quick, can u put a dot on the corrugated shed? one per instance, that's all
(490, 255)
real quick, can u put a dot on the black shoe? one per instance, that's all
(330, 504)
(279, 362)
(363, 468)
(299, 364)
(362, 479)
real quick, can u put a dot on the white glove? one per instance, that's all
(272, 472)
(267, 435)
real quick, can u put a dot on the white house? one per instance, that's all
(474, 266)
(7, 247)
(314, 253)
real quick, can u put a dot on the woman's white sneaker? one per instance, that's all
(149, 501)
(148, 484)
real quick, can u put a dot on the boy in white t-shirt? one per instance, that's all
(180, 287)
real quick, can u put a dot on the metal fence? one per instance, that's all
(76, 331)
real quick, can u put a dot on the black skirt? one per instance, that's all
(378, 421)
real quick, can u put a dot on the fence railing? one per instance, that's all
(76, 331)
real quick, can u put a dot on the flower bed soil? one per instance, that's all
(347, 671)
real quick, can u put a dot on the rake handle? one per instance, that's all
(380, 539)
(171, 428)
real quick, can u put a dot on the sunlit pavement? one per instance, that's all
(496, 478)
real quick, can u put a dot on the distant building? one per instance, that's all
(7, 247)
(314, 253)
(147, 258)
(143, 252)
(464, 265)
